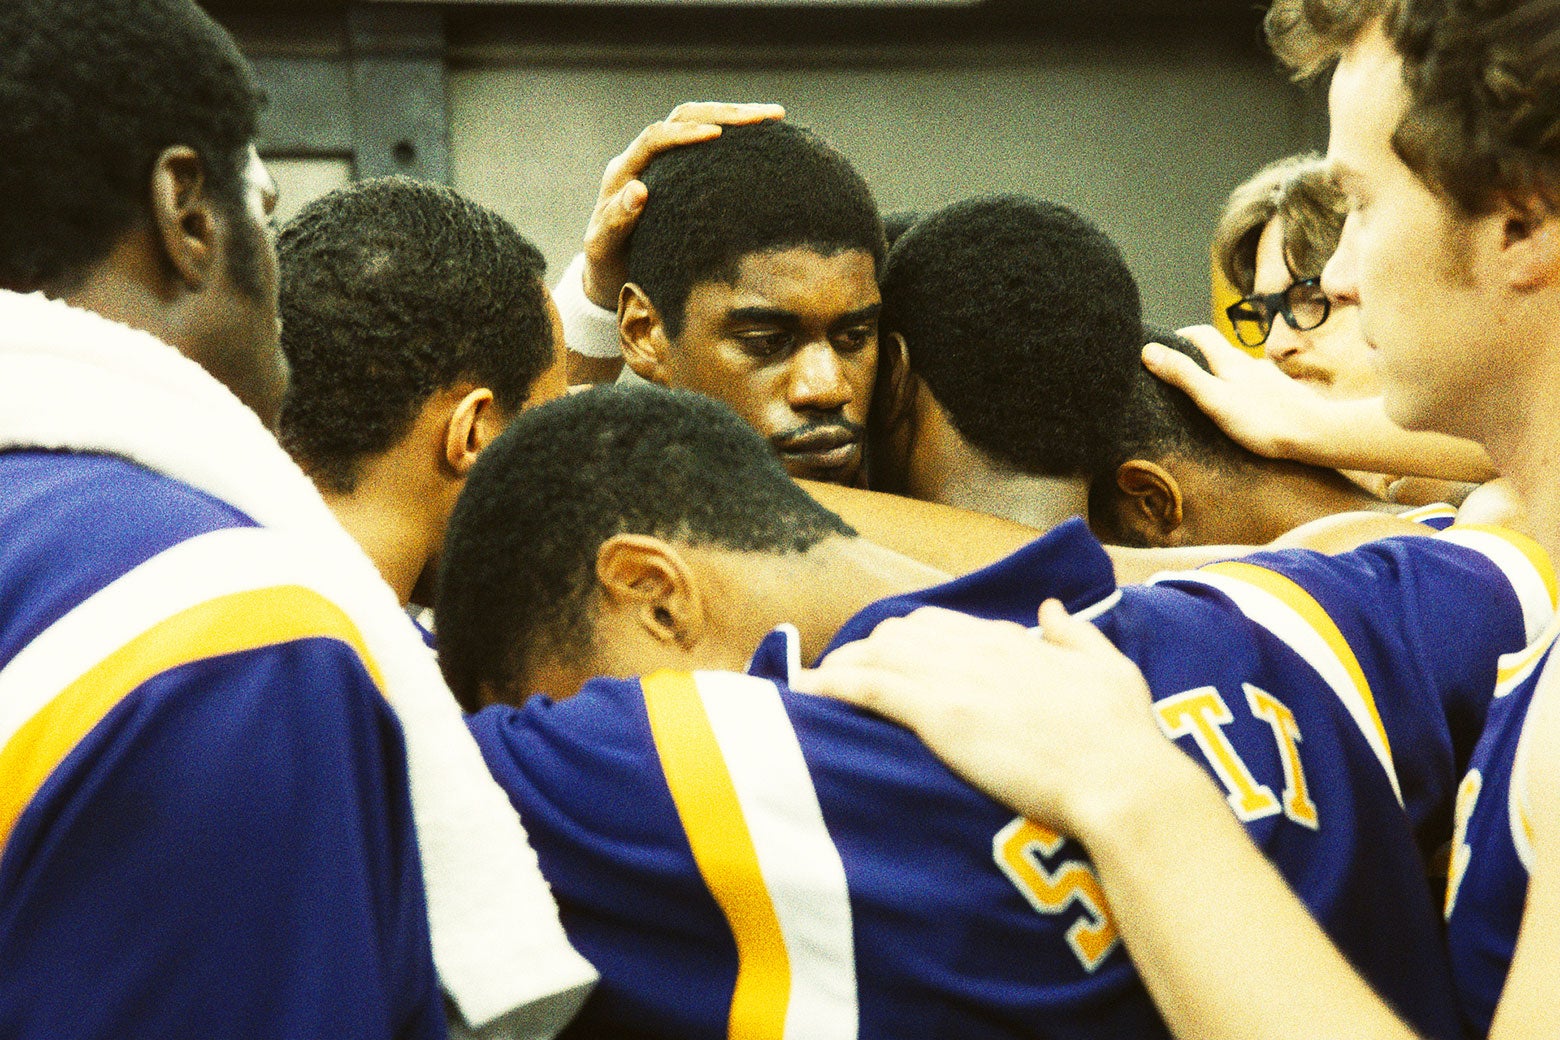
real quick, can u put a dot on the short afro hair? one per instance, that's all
(895, 224)
(754, 189)
(91, 93)
(518, 575)
(1161, 421)
(1024, 322)
(392, 290)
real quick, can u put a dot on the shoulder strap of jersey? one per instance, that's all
(746, 802)
(219, 593)
(1290, 613)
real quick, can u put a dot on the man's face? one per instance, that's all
(792, 347)
(1407, 257)
(1332, 358)
(241, 333)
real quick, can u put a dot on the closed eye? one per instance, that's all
(855, 338)
(765, 344)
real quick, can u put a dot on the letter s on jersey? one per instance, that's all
(1020, 849)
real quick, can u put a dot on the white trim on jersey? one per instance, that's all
(1090, 612)
(193, 572)
(1533, 592)
(497, 944)
(793, 648)
(801, 867)
(1291, 628)
(1432, 511)
(1519, 664)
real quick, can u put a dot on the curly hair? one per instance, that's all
(1484, 86)
(1296, 189)
(392, 290)
(518, 575)
(753, 189)
(1024, 322)
(90, 95)
(1309, 35)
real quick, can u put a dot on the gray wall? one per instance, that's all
(1146, 137)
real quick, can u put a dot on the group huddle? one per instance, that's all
(393, 646)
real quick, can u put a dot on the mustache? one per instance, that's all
(1305, 371)
(853, 430)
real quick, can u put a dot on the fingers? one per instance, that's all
(865, 687)
(1181, 372)
(622, 196)
(1062, 629)
(613, 221)
(651, 142)
(898, 642)
(606, 244)
(883, 671)
(688, 124)
(1220, 352)
(727, 112)
(866, 676)
(617, 214)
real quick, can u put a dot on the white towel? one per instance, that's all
(73, 380)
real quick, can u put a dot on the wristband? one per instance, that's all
(587, 329)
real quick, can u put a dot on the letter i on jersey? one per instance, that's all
(1202, 715)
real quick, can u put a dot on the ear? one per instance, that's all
(893, 397)
(474, 423)
(648, 581)
(642, 335)
(184, 217)
(1531, 243)
(1152, 504)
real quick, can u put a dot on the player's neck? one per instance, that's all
(1524, 444)
(1529, 455)
(391, 529)
(836, 579)
(943, 467)
(969, 479)
(1289, 494)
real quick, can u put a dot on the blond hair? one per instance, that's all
(1296, 189)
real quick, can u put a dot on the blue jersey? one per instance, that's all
(1437, 516)
(205, 823)
(739, 860)
(1491, 857)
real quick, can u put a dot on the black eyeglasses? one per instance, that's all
(1303, 305)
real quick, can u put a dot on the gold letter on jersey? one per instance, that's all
(1297, 799)
(1202, 715)
(1018, 849)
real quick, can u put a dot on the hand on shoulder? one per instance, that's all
(1050, 724)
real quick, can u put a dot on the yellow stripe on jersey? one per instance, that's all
(225, 625)
(1433, 511)
(1315, 617)
(723, 849)
(1515, 666)
(1528, 547)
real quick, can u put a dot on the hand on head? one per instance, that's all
(622, 196)
(1256, 404)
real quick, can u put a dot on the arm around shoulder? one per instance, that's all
(1526, 1008)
